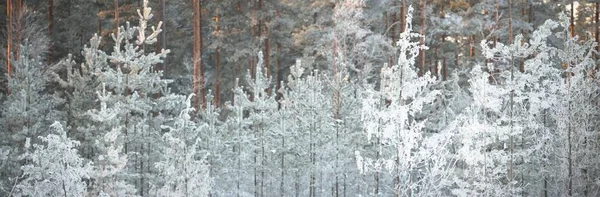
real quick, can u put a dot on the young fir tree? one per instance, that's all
(55, 169)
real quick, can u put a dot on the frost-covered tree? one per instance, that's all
(577, 117)
(235, 178)
(139, 97)
(77, 89)
(520, 130)
(258, 107)
(54, 169)
(502, 130)
(109, 175)
(419, 162)
(347, 44)
(481, 163)
(184, 170)
(310, 101)
(3, 159)
(27, 110)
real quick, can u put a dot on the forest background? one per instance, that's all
(304, 98)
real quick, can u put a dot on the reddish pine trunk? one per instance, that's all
(402, 15)
(9, 30)
(199, 100)
(116, 20)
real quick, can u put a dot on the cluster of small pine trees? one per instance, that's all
(110, 125)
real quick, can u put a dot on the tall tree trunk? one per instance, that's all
(50, 29)
(597, 28)
(511, 138)
(267, 53)
(523, 14)
(444, 68)
(569, 131)
(116, 19)
(278, 66)
(572, 16)
(393, 27)
(456, 38)
(217, 91)
(162, 39)
(312, 182)
(402, 16)
(385, 29)
(471, 46)
(198, 78)
(282, 182)
(9, 23)
(18, 28)
(422, 38)
(497, 17)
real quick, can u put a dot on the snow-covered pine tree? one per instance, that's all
(184, 170)
(234, 179)
(258, 107)
(502, 131)
(109, 176)
(27, 110)
(53, 169)
(77, 88)
(476, 128)
(576, 137)
(209, 138)
(419, 162)
(3, 159)
(312, 125)
(520, 131)
(139, 96)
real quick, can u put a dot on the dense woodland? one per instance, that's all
(299, 98)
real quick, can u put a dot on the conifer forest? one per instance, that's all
(261, 98)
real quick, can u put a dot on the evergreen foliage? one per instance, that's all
(303, 98)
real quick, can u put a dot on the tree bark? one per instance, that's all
(9, 21)
(444, 68)
(267, 53)
(217, 88)
(198, 78)
(402, 16)
(393, 27)
(217, 92)
(422, 39)
(162, 39)
(278, 66)
(116, 19)
(523, 14)
(572, 18)
(597, 28)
